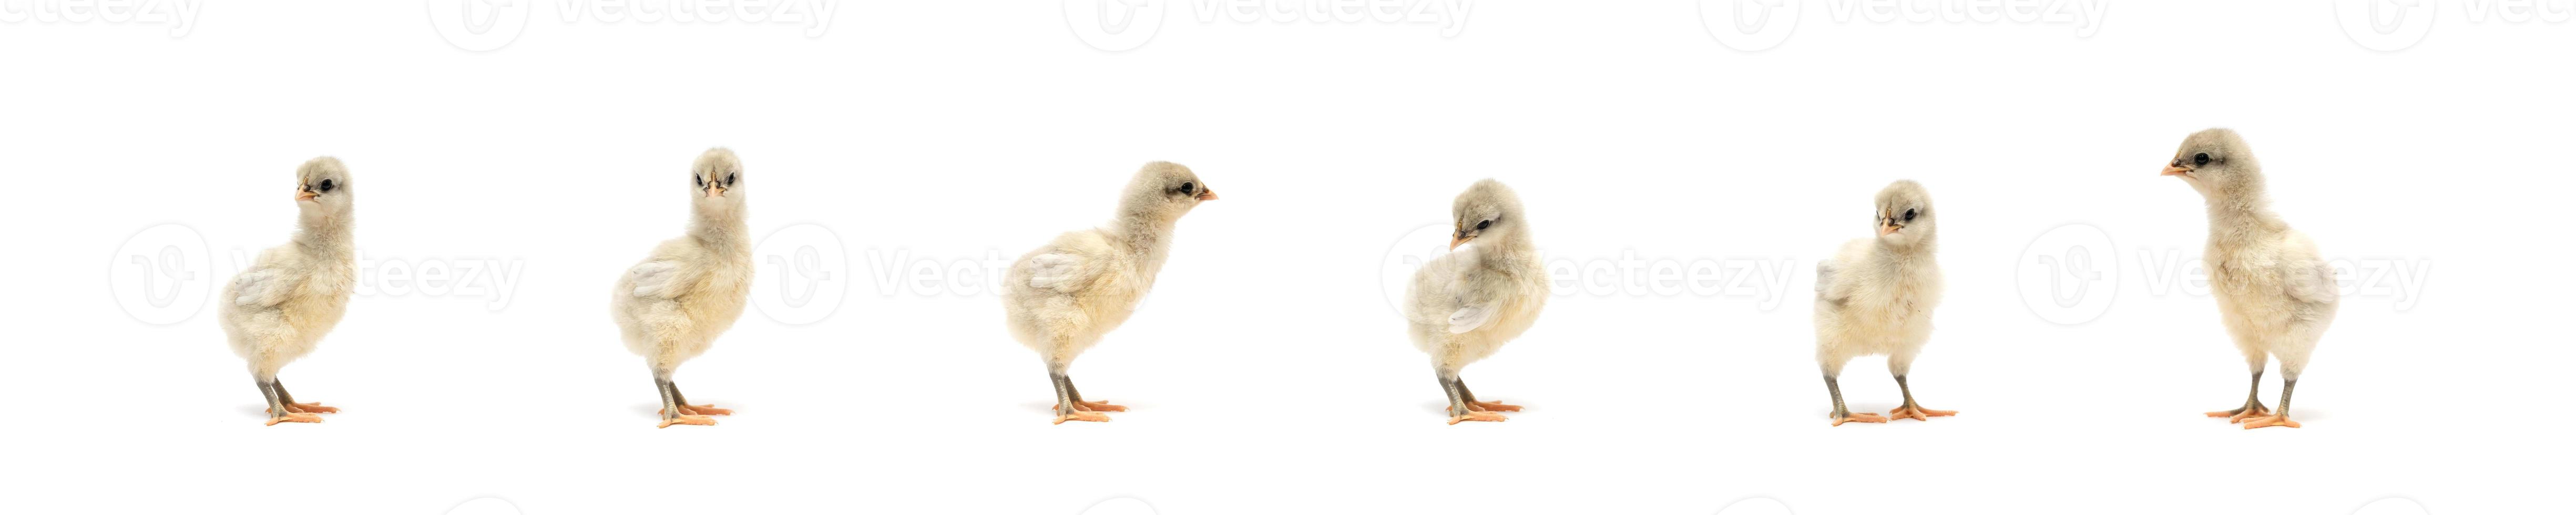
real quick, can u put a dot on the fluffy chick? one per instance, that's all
(1465, 305)
(1060, 298)
(279, 308)
(1876, 297)
(2275, 294)
(670, 307)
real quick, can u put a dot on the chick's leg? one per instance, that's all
(1470, 395)
(1898, 365)
(1067, 406)
(1460, 409)
(1084, 405)
(686, 409)
(1841, 414)
(671, 402)
(277, 411)
(2253, 403)
(2289, 382)
(297, 407)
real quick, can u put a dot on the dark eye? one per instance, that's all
(2200, 159)
(326, 186)
(1189, 188)
(702, 181)
(729, 179)
(1482, 225)
(1909, 215)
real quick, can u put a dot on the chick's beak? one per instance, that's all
(1459, 238)
(1207, 194)
(1888, 228)
(715, 191)
(2175, 168)
(304, 194)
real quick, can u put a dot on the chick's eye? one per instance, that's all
(1909, 215)
(1189, 188)
(1482, 225)
(2200, 159)
(729, 179)
(702, 181)
(326, 185)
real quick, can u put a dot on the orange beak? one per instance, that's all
(715, 191)
(1886, 229)
(2175, 170)
(1207, 194)
(304, 195)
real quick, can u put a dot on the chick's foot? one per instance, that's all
(690, 420)
(1085, 416)
(1917, 412)
(1479, 416)
(1871, 418)
(1492, 406)
(309, 407)
(2269, 421)
(1097, 406)
(2240, 414)
(294, 417)
(702, 409)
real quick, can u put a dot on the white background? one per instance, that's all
(1267, 374)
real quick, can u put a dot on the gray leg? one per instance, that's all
(1842, 414)
(1068, 400)
(282, 396)
(276, 406)
(1457, 393)
(1912, 410)
(671, 402)
(1463, 392)
(2253, 402)
(2287, 385)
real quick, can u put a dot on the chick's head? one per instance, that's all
(1904, 215)
(1164, 191)
(716, 184)
(322, 189)
(2216, 162)
(1488, 210)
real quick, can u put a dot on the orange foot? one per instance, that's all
(1097, 406)
(702, 409)
(1871, 418)
(294, 417)
(309, 407)
(1479, 416)
(1492, 406)
(1085, 416)
(2269, 421)
(2240, 414)
(1918, 413)
(693, 420)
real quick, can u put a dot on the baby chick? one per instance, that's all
(275, 311)
(1060, 298)
(1876, 297)
(670, 307)
(1465, 305)
(2275, 295)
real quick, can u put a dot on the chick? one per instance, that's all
(1060, 298)
(670, 307)
(1876, 297)
(279, 308)
(2275, 295)
(1465, 305)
